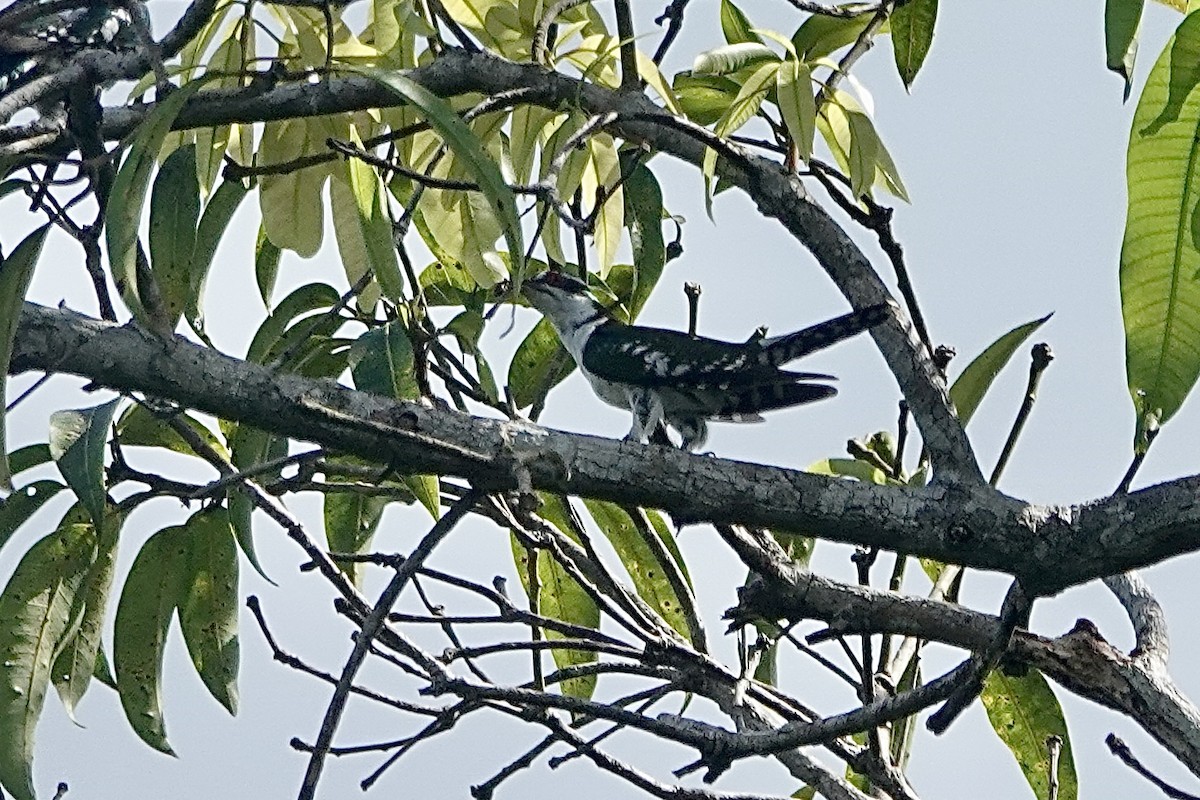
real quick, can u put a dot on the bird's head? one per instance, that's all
(563, 299)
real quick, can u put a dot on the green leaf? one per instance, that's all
(560, 596)
(973, 383)
(124, 212)
(19, 506)
(266, 265)
(641, 563)
(425, 488)
(1122, 18)
(731, 57)
(819, 35)
(250, 447)
(735, 25)
(36, 608)
(449, 285)
(174, 211)
(292, 208)
(539, 365)
(848, 468)
(148, 601)
(797, 105)
(643, 217)
(704, 98)
(1024, 712)
(1160, 296)
(381, 362)
(28, 457)
(351, 520)
(364, 232)
(208, 604)
(75, 664)
(275, 335)
(469, 151)
(15, 274)
(77, 439)
(912, 34)
(217, 214)
(864, 147)
(140, 427)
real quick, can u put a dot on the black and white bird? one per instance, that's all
(681, 380)
(43, 34)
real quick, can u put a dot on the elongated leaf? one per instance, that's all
(36, 609)
(174, 212)
(266, 266)
(1024, 712)
(731, 57)
(381, 362)
(467, 149)
(735, 25)
(148, 601)
(208, 604)
(819, 35)
(970, 387)
(704, 98)
(1160, 296)
(797, 105)
(127, 198)
(912, 34)
(560, 596)
(539, 365)
(75, 664)
(77, 439)
(15, 274)
(1122, 18)
(351, 520)
(270, 341)
(28, 457)
(291, 204)
(217, 214)
(139, 427)
(641, 563)
(20, 505)
(426, 489)
(643, 217)
(364, 231)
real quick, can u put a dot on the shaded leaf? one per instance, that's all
(36, 608)
(643, 217)
(124, 212)
(174, 212)
(820, 35)
(20, 505)
(148, 601)
(1122, 19)
(77, 440)
(351, 520)
(735, 25)
(539, 365)
(15, 273)
(266, 265)
(208, 604)
(381, 362)
(140, 427)
(217, 214)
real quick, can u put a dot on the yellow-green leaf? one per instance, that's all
(1160, 259)
(797, 104)
(973, 383)
(1024, 712)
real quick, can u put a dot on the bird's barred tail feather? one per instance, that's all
(787, 348)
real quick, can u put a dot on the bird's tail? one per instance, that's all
(789, 347)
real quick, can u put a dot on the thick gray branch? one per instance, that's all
(1048, 548)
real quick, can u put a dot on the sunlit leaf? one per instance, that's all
(731, 57)
(1160, 296)
(1024, 712)
(797, 105)
(291, 203)
(973, 383)
(912, 34)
